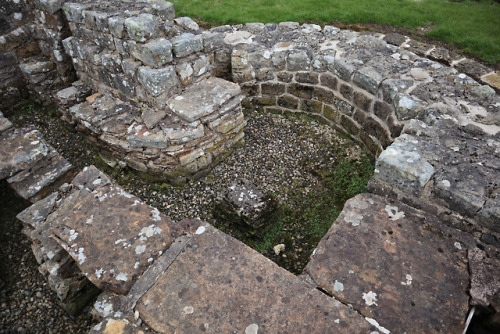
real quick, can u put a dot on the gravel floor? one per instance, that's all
(280, 156)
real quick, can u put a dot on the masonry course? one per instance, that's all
(148, 97)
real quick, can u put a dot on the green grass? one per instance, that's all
(470, 25)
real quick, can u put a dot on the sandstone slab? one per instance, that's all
(20, 149)
(113, 236)
(219, 285)
(387, 261)
(203, 98)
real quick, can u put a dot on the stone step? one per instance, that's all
(397, 266)
(218, 284)
(20, 149)
(35, 182)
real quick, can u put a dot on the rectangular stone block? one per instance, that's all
(155, 53)
(186, 44)
(142, 27)
(158, 81)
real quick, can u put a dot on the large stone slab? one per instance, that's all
(390, 264)
(113, 236)
(20, 149)
(219, 285)
(203, 98)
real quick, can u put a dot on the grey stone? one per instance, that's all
(203, 98)
(391, 87)
(116, 26)
(372, 258)
(5, 124)
(406, 107)
(298, 60)
(37, 67)
(187, 23)
(401, 166)
(50, 6)
(130, 67)
(158, 81)
(485, 277)
(163, 9)
(212, 41)
(155, 53)
(151, 117)
(368, 78)
(183, 134)
(489, 216)
(186, 44)
(74, 11)
(344, 69)
(244, 205)
(142, 27)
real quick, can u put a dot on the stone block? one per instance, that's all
(186, 44)
(301, 91)
(329, 81)
(50, 6)
(307, 77)
(154, 53)
(324, 62)
(163, 9)
(463, 187)
(372, 259)
(212, 41)
(5, 124)
(192, 296)
(489, 216)
(395, 38)
(142, 27)
(346, 91)
(158, 81)
(373, 127)
(485, 277)
(183, 133)
(382, 109)
(330, 113)
(244, 205)
(391, 87)
(185, 72)
(344, 69)
(187, 23)
(298, 60)
(289, 102)
(406, 107)
(362, 101)
(368, 78)
(19, 150)
(113, 236)
(116, 26)
(401, 166)
(74, 11)
(272, 88)
(323, 95)
(349, 125)
(203, 98)
(37, 67)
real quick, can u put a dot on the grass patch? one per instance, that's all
(470, 25)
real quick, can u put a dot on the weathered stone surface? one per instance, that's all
(158, 81)
(406, 108)
(113, 236)
(142, 27)
(163, 9)
(368, 78)
(238, 291)
(245, 205)
(383, 259)
(485, 276)
(154, 53)
(186, 44)
(203, 98)
(187, 23)
(5, 124)
(401, 165)
(20, 149)
(47, 171)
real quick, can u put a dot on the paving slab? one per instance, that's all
(219, 285)
(20, 149)
(393, 266)
(30, 182)
(113, 236)
(203, 98)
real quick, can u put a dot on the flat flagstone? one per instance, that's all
(219, 285)
(113, 236)
(20, 149)
(394, 267)
(203, 98)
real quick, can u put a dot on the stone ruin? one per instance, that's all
(418, 253)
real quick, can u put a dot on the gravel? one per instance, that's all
(280, 156)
